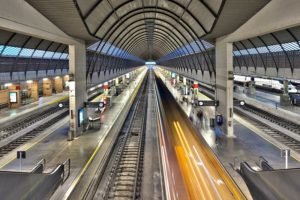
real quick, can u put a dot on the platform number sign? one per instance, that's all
(21, 154)
(208, 103)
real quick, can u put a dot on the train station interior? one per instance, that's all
(149, 99)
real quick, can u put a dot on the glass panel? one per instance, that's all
(262, 50)
(48, 54)
(11, 51)
(244, 52)
(64, 56)
(38, 54)
(57, 55)
(236, 53)
(275, 48)
(291, 46)
(26, 52)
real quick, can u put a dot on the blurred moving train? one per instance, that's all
(275, 85)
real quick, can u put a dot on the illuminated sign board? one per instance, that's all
(13, 97)
(208, 103)
(80, 117)
(173, 75)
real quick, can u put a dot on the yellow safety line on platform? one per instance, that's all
(76, 181)
(33, 144)
(58, 100)
(25, 149)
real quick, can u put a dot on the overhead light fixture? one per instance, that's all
(45, 79)
(57, 77)
(7, 84)
(29, 81)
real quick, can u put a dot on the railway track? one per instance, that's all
(125, 177)
(31, 134)
(24, 123)
(279, 136)
(268, 129)
(11, 133)
(272, 118)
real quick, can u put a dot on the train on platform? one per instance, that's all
(275, 85)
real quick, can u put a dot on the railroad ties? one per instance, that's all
(126, 174)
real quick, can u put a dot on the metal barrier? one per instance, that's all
(34, 184)
(68, 163)
(39, 168)
(272, 184)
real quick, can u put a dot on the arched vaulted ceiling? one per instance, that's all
(148, 29)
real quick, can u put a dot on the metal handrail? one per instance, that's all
(64, 178)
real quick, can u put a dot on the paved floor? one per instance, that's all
(7, 114)
(56, 149)
(246, 146)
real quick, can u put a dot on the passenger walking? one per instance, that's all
(219, 135)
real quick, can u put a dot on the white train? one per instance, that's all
(268, 84)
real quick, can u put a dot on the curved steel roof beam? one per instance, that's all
(251, 56)
(126, 2)
(126, 38)
(158, 27)
(128, 17)
(185, 25)
(170, 43)
(141, 20)
(241, 55)
(284, 51)
(262, 60)
(171, 36)
(273, 58)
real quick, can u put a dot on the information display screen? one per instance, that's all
(173, 75)
(13, 97)
(80, 117)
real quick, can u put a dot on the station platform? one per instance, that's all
(7, 115)
(247, 146)
(54, 147)
(270, 102)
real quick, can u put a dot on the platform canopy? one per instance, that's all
(148, 29)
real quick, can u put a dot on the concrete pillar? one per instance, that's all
(124, 80)
(224, 84)
(4, 99)
(105, 87)
(116, 81)
(251, 88)
(196, 86)
(33, 87)
(58, 84)
(77, 85)
(66, 82)
(184, 81)
(47, 87)
(284, 97)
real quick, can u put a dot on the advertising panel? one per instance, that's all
(13, 97)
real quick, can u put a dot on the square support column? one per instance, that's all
(47, 87)
(224, 84)
(77, 85)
